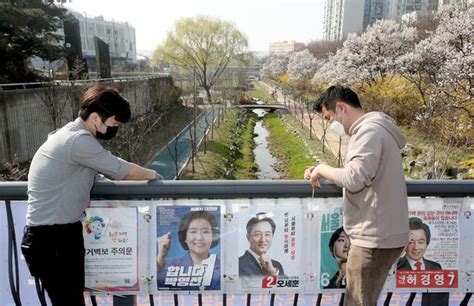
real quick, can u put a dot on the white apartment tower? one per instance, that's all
(342, 17)
(120, 36)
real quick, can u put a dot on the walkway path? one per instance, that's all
(332, 140)
(174, 157)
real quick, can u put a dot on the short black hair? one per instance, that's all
(416, 224)
(334, 237)
(260, 217)
(107, 102)
(335, 94)
(190, 217)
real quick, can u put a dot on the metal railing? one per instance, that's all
(31, 85)
(221, 190)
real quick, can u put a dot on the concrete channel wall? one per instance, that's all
(27, 116)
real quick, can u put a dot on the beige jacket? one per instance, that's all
(375, 196)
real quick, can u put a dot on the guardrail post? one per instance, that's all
(126, 300)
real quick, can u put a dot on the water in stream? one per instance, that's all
(263, 158)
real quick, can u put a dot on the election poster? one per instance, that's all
(111, 249)
(269, 245)
(430, 259)
(188, 256)
(333, 246)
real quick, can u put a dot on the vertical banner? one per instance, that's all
(431, 256)
(188, 248)
(334, 247)
(270, 246)
(111, 244)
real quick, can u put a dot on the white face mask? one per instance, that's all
(337, 128)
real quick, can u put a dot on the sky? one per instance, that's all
(261, 21)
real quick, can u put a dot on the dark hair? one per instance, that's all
(335, 94)
(334, 237)
(416, 224)
(107, 102)
(190, 217)
(260, 217)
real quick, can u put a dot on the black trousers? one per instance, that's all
(55, 255)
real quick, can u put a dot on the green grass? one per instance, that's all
(431, 153)
(313, 145)
(218, 157)
(287, 147)
(245, 164)
(457, 156)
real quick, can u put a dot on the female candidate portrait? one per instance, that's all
(197, 269)
(339, 247)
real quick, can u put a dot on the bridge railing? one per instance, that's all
(303, 226)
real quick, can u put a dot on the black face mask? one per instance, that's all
(111, 132)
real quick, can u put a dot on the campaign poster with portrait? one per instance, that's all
(188, 256)
(430, 260)
(270, 246)
(334, 246)
(111, 245)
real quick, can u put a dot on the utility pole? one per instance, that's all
(195, 118)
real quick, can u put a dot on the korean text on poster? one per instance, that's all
(188, 248)
(111, 245)
(270, 248)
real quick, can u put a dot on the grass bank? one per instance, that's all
(288, 147)
(229, 155)
(431, 159)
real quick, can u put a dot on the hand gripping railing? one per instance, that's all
(216, 190)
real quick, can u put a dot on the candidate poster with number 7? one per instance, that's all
(430, 260)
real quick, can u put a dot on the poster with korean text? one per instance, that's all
(430, 260)
(269, 246)
(334, 245)
(188, 256)
(111, 245)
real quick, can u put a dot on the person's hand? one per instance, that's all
(158, 177)
(164, 245)
(314, 178)
(313, 175)
(307, 172)
(267, 265)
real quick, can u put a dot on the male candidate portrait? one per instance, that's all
(419, 238)
(255, 261)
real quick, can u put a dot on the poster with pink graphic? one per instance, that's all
(111, 249)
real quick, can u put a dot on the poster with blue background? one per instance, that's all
(334, 247)
(188, 256)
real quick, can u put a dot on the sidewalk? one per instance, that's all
(331, 140)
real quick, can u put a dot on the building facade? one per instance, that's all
(120, 36)
(285, 46)
(342, 17)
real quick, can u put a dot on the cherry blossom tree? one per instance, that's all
(370, 56)
(275, 65)
(302, 66)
